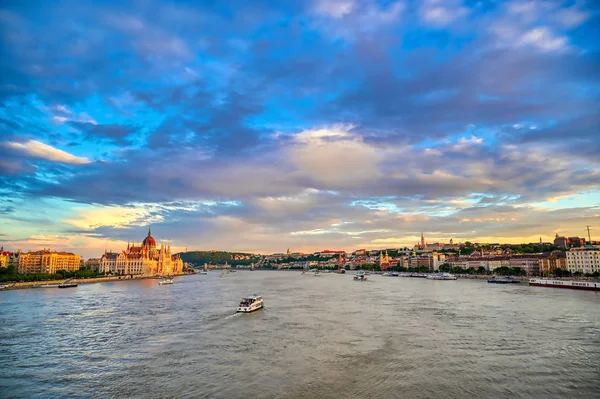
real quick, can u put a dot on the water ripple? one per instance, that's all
(317, 338)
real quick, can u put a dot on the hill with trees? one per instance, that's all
(199, 258)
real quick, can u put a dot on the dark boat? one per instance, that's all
(67, 285)
(505, 280)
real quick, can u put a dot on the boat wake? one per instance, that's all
(232, 315)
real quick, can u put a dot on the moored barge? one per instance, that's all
(574, 285)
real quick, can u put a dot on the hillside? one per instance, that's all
(199, 258)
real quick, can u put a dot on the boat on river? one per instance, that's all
(360, 276)
(569, 284)
(250, 304)
(67, 285)
(165, 281)
(317, 274)
(417, 275)
(44, 286)
(441, 276)
(504, 280)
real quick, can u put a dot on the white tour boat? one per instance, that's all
(441, 276)
(203, 272)
(317, 274)
(250, 304)
(165, 281)
(570, 284)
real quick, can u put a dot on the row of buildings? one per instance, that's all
(146, 259)
(559, 241)
(583, 259)
(43, 261)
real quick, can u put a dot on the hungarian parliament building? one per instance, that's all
(146, 260)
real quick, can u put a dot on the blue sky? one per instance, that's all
(267, 125)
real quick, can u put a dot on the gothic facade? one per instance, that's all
(147, 259)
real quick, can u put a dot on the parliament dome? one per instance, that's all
(149, 241)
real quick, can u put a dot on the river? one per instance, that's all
(318, 337)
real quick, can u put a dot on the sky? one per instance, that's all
(260, 126)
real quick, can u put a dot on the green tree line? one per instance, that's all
(10, 274)
(199, 258)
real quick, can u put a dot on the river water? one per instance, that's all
(318, 337)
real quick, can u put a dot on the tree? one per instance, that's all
(445, 268)
(562, 273)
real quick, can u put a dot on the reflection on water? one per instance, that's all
(327, 337)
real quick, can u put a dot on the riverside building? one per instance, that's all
(147, 259)
(550, 262)
(584, 260)
(46, 261)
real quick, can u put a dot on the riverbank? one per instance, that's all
(32, 284)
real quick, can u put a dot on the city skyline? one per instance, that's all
(316, 125)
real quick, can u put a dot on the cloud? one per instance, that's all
(351, 19)
(442, 13)
(334, 8)
(570, 17)
(40, 150)
(325, 156)
(543, 39)
(113, 133)
(346, 123)
(114, 216)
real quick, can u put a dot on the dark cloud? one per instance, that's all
(117, 134)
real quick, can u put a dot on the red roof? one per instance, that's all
(149, 240)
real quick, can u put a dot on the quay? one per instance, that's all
(32, 284)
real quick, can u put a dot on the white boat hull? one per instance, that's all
(441, 277)
(249, 309)
(570, 284)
